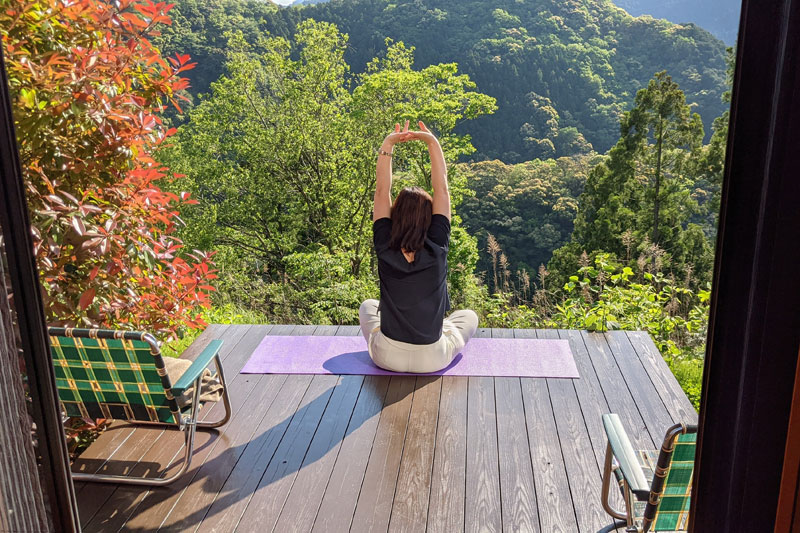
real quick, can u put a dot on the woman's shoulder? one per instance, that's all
(439, 231)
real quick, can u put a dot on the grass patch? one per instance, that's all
(689, 373)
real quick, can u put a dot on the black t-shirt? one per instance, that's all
(414, 296)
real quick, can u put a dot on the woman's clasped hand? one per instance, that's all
(405, 134)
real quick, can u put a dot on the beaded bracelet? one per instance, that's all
(381, 151)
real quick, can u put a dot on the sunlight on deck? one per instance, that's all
(338, 453)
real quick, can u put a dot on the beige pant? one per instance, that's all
(398, 356)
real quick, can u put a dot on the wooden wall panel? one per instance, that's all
(23, 506)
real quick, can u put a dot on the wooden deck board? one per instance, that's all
(651, 406)
(412, 494)
(338, 453)
(517, 487)
(269, 496)
(482, 500)
(303, 500)
(375, 500)
(338, 504)
(617, 391)
(576, 449)
(446, 507)
(676, 401)
(306, 493)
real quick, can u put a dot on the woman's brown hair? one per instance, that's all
(411, 217)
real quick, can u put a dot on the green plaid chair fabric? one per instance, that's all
(121, 375)
(656, 484)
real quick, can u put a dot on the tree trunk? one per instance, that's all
(659, 144)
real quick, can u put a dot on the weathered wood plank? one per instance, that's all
(664, 381)
(647, 398)
(377, 490)
(152, 507)
(306, 493)
(446, 508)
(590, 395)
(465, 471)
(338, 504)
(233, 497)
(410, 506)
(517, 490)
(592, 406)
(556, 512)
(482, 499)
(269, 496)
(206, 481)
(576, 447)
(483, 503)
(616, 391)
(583, 473)
(147, 450)
(349, 330)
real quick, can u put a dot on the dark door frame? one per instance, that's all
(754, 328)
(52, 448)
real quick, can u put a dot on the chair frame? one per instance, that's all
(186, 422)
(632, 482)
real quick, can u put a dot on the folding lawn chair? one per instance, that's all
(120, 375)
(655, 484)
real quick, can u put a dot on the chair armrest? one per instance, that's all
(193, 372)
(625, 456)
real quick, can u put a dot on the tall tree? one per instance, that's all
(663, 131)
(639, 201)
(710, 163)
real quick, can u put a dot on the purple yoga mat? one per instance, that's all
(539, 358)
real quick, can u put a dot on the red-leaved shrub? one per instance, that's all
(89, 88)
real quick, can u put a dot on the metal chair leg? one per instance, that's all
(188, 427)
(607, 470)
(225, 399)
(144, 481)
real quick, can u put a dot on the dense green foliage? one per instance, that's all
(281, 158)
(562, 71)
(528, 208)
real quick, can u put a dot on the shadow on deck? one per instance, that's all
(338, 453)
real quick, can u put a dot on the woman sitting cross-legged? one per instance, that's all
(407, 331)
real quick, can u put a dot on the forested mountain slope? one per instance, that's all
(562, 70)
(720, 17)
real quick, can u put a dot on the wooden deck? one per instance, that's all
(339, 453)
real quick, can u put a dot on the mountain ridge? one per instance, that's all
(562, 71)
(719, 17)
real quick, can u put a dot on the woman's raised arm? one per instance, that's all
(382, 207)
(441, 193)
